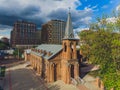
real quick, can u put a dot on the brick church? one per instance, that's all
(57, 62)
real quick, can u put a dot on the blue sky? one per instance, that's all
(83, 12)
(99, 7)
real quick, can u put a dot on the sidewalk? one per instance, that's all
(90, 82)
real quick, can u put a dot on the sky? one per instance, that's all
(83, 12)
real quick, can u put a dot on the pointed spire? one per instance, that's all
(69, 29)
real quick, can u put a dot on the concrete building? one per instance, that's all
(24, 34)
(57, 62)
(53, 32)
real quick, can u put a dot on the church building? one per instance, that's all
(57, 62)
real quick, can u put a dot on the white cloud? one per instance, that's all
(49, 6)
(86, 19)
(5, 33)
(15, 7)
(46, 6)
(118, 8)
(111, 20)
(80, 29)
(94, 7)
(89, 8)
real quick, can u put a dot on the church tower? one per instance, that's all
(70, 66)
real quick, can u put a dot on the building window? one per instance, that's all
(71, 46)
(65, 47)
(72, 71)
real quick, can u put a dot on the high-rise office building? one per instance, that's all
(53, 31)
(24, 33)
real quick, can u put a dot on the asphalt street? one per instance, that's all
(22, 78)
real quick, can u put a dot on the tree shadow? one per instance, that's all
(85, 69)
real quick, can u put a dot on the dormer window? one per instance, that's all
(41, 51)
(38, 51)
(49, 53)
(44, 53)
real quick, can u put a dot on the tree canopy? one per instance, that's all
(101, 45)
(3, 45)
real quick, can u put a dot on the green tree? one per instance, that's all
(3, 45)
(17, 53)
(101, 45)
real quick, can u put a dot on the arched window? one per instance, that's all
(72, 71)
(65, 47)
(55, 71)
(71, 46)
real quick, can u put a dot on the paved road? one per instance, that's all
(21, 78)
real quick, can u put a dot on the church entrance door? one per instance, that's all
(55, 72)
(72, 71)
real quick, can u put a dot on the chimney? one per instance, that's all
(44, 52)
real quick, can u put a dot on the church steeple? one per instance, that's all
(69, 53)
(69, 29)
